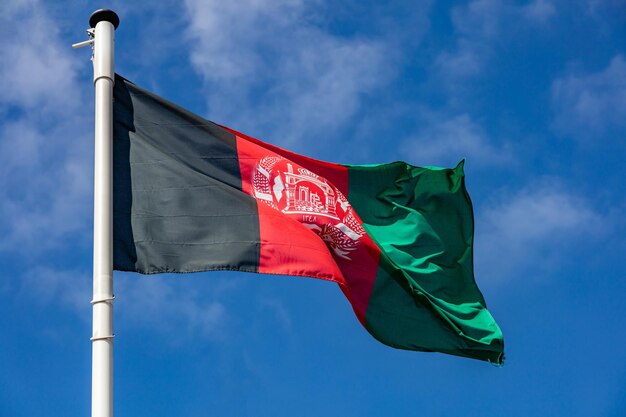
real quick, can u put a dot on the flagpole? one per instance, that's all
(104, 22)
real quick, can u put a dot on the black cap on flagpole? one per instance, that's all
(104, 15)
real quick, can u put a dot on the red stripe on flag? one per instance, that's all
(334, 173)
(307, 226)
(288, 248)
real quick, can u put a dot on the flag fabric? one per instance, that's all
(191, 195)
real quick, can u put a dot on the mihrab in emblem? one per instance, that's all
(310, 199)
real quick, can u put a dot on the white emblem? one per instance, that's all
(310, 199)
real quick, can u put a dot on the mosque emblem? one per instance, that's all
(310, 199)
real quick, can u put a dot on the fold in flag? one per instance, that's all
(191, 195)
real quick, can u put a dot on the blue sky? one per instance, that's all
(532, 93)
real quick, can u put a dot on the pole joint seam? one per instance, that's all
(103, 300)
(94, 338)
(106, 77)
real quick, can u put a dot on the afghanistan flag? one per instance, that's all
(191, 195)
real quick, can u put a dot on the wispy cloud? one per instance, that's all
(44, 159)
(45, 187)
(37, 71)
(48, 286)
(268, 56)
(445, 140)
(531, 230)
(279, 312)
(588, 106)
(466, 59)
(480, 25)
(156, 303)
(153, 303)
(595, 7)
(538, 11)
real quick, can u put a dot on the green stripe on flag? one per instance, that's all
(424, 296)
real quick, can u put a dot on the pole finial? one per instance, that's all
(104, 15)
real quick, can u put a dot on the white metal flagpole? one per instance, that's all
(103, 24)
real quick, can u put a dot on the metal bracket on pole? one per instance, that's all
(91, 34)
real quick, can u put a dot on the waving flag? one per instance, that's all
(191, 195)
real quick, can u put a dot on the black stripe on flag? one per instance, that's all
(178, 204)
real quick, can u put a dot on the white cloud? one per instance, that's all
(590, 105)
(46, 183)
(466, 60)
(70, 289)
(225, 49)
(489, 18)
(480, 25)
(45, 160)
(278, 310)
(156, 303)
(527, 232)
(35, 67)
(268, 56)
(444, 141)
(479, 18)
(539, 11)
(595, 8)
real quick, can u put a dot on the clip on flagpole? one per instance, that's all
(103, 300)
(102, 25)
(90, 33)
